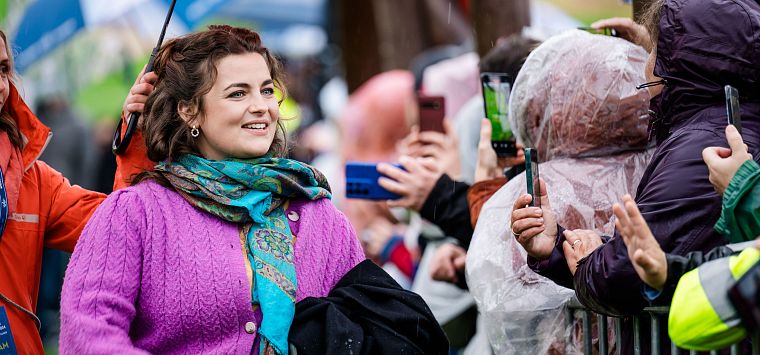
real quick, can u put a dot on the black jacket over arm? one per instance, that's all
(446, 206)
(367, 312)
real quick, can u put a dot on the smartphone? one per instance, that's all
(361, 182)
(746, 299)
(496, 90)
(601, 31)
(432, 112)
(732, 107)
(531, 176)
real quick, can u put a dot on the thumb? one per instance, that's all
(735, 140)
(569, 252)
(645, 261)
(544, 196)
(485, 131)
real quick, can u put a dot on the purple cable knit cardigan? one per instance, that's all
(152, 274)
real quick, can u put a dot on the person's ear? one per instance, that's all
(187, 111)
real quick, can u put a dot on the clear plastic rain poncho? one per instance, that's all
(575, 100)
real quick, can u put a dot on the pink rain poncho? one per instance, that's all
(575, 101)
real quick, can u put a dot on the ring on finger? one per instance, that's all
(576, 242)
(513, 232)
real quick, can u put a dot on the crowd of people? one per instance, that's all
(647, 196)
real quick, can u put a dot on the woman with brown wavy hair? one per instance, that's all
(211, 250)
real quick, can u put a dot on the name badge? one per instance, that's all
(7, 346)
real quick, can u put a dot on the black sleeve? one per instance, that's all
(446, 206)
(678, 265)
(367, 312)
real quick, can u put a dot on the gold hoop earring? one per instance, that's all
(195, 132)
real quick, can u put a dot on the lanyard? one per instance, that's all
(3, 204)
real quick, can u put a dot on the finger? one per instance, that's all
(393, 172)
(432, 137)
(734, 139)
(137, 99)
(710, 154)
(529, 212)
(529, 234)
(432, 150)
(428, 164)
(393, 186)
(520, 203)
(150, 78)
(637, 220)
(570, 236)
(610, 22)
(460, 261)
(544, 196)
(622, 223)
(485, 132)
(527, 223)
(569, 252)
(132, 108)
(141, 89)
(645, 261)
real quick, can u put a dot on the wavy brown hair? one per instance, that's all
(186, 69)
(7, 123)
(650, 19)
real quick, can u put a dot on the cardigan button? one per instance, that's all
(250, 327)
(293, 216)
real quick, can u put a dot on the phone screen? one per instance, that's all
(531, 176)
(602, 31)
(732, 107)
(496, 91)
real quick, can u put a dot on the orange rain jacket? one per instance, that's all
(50, 213)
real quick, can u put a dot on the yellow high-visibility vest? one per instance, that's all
(701, 314)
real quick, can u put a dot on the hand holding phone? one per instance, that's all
(531, 176)
(496, 90)
(361, 182)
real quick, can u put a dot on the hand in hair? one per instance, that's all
(138, 93)
(644, 251)
(628, 30)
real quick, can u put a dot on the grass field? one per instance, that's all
(588, 11)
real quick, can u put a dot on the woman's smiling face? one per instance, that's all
(240, 114)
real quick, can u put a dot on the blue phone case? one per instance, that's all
(361, 182)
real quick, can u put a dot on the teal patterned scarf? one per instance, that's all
(254, 191)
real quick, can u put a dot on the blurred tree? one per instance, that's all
(498, 18)
(380, 35)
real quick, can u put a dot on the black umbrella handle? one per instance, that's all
(119, 144)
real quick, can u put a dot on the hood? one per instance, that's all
(576, 96)
(704, 45)
(35, 134)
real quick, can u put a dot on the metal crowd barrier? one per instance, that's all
(659, 323)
